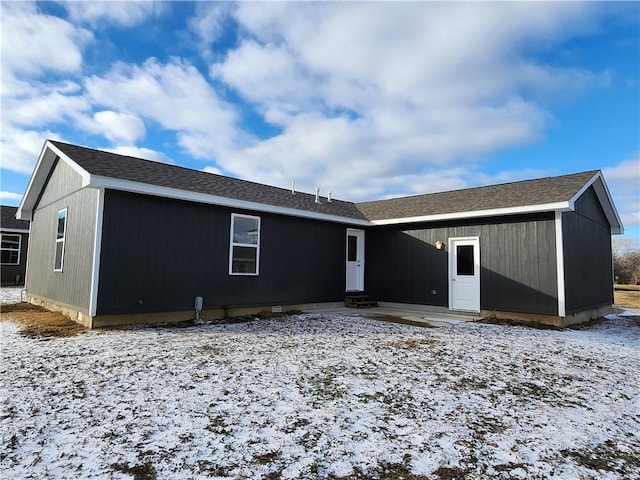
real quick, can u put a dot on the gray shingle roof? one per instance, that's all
(507, 195)
(9, 220)
(122, 167)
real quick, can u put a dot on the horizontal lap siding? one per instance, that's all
(588, 258)
(518, 267)
(163, 253)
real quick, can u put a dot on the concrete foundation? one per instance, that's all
(402, 310)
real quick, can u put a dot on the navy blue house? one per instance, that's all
(117, 239)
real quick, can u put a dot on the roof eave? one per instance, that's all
(39, 177)
(605, 199)
(493, 212)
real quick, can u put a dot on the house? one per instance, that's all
(118, 239)
(15, 240)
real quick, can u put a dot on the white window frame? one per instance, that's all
(60, 240)
(239, 244)
(19, 249)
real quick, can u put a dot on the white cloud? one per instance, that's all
(208, 23)
(123, 13)
(214, 170)
(42, 104)
(176, 96)
(623, 181)
(120, 126)
(21, 148)
(5, 196)
(140, 152)
(33, 43)
(370, 92)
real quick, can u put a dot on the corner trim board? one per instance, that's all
(97, 247)
(562, 310)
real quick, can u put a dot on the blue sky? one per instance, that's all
(366, 99)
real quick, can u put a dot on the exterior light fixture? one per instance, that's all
(439, 245)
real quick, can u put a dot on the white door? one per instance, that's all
(355, 260)
(464, 274)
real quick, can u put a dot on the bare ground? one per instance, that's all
(627, 296)
(38, 322)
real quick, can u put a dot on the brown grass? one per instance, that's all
(627, 296)
(37, 322)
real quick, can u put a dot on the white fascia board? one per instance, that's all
(168, 192)
(40, 174)
(606, 201)
(14, 230)
(547, 207)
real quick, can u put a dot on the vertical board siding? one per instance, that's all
(158, 254)
(63, 181)
(72, 286)
(517, 254)
(588, 262)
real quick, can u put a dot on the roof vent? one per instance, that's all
(329, 196)
(318, 195)
(293, 187)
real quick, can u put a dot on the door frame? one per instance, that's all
(475, 242)
(359, 234)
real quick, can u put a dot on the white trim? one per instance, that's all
(247, 245)
(360, 258)
(609, 208)
(97, 247)
(476, 266)
(40, 174)
(13, 249)
(546, 207)
(168, 192)
(62, 240)
(26, 266)
(560, 265)
(14, 230)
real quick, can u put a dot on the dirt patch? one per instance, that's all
(627, 296)
(395, 319)
(36, 322)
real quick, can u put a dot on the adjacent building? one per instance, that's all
(15, 241)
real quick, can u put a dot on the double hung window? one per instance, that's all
(244, 249)
(10, 249)
(60, 240)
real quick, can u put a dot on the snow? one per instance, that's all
(10, 294)
(322, 396)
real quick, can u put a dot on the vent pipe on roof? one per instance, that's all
(293, 187)
(329, 196)
(318, 195)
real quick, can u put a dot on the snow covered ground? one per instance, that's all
(10, 294)
(323, 396)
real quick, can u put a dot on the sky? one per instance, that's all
(369, 100)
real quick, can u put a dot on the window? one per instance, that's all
(464, 255)
(60, 236)
(245, 245)
(352, 248)
(10, 249)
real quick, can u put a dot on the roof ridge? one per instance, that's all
(491, 185)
